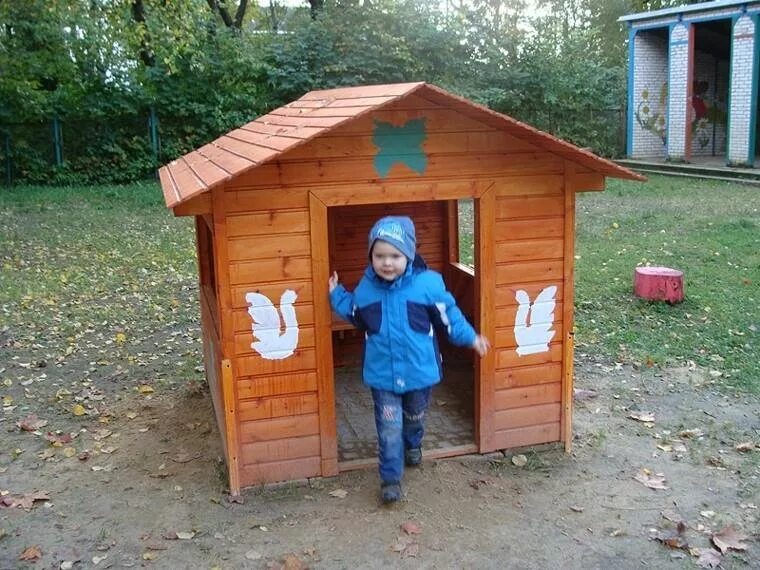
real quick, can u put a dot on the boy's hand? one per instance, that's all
(481, 345)
(332, 282)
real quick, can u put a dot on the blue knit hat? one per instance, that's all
(397, 231)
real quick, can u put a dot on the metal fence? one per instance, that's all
(129, 147)
(89, 150)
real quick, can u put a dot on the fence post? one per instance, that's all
(8, 162)
(153, 127)
(57, 141)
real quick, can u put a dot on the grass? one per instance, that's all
(95, 271)
(80, 267)
(708, 230)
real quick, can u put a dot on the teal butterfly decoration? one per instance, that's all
(400, 145)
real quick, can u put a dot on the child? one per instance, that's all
(397, 304)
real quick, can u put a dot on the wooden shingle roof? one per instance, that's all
(317, 112)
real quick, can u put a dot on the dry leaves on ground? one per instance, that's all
(646, 417)
(31, 554)
(708, 557)
(25, 501)
(673, 538)
(651, 480)
(31, 423)
(339, 493)
(411, 527)
(728, 539)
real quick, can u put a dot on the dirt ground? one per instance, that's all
(141, 484)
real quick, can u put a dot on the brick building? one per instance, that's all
(693, 82)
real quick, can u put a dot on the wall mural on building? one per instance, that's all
(273, 344)
(706, 114)
(533, 321)
(400, 145)
(650, 112)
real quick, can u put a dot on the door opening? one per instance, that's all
(451, 422)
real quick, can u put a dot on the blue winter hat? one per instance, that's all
(397, 231)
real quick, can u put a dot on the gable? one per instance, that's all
(415, 125)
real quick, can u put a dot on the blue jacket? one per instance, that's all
(401, 350)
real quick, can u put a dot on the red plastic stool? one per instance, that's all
(658, 284)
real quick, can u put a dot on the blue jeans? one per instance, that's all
(400, 423)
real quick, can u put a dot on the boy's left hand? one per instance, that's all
(481, 345)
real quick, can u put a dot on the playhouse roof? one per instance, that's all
(317, 112)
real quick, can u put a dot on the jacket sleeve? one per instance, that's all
(449, 317)
(342, 303)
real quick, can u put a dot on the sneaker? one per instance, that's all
(413, 457)
(391, 492)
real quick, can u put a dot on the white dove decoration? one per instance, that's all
(533, 321)
(266, 326)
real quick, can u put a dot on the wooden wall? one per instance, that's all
(263, 233)
(529, 256)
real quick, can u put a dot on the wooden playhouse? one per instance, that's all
(282, 201)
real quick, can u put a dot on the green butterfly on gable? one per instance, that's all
(400, 145)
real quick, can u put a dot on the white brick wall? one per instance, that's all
(677, 91)
(742, 48)
(650, 66)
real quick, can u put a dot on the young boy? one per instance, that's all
(398, 303)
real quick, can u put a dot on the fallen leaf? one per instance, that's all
(26, 501)
(411, 551)
(745, 447)
(145, 389)
(691, 433)
(78, 410)
(707, 514)
(171, 535)
(582, 394)
(411, 527)
(576, 508)
(708, 557)
(31, 423)
(67, 565)
(647, 417)
(98, 559)
(729, 539)
(673, 539)
(253, 555)
(69, 451)
(519, 460)
(150, 555)
(185, 535)
(185, 457)
(653, 481)
(58, 439)
(31, 553)
(292, 562)
(339, 493)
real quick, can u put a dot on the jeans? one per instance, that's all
(399, 419)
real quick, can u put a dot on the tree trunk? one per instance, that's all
(145, 53)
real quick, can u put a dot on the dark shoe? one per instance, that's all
(391, 492)
(413, 457)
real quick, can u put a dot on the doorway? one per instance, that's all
(451, 427)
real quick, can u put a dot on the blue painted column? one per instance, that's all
(742, 105)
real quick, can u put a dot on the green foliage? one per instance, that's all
(101, 67)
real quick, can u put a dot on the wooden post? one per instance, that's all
(566, 423)
(320, 272)
(485, 309)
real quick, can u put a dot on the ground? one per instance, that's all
(142, 484)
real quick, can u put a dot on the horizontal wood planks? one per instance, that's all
(530, 257)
